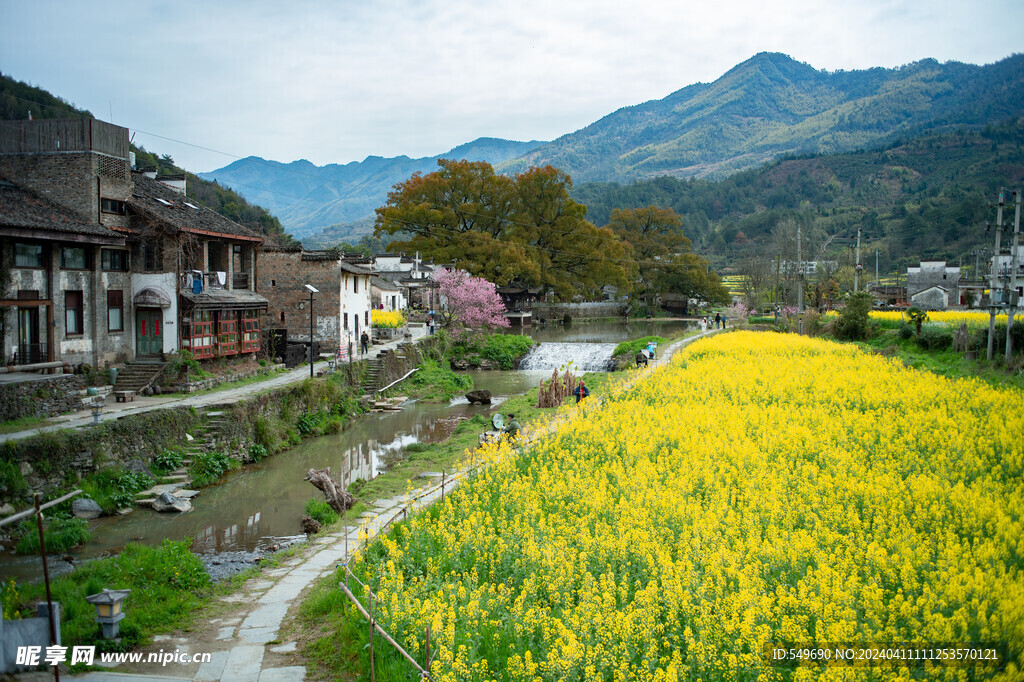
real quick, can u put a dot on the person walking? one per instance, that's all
(723, 320)
(718, 320)
(364, 342)
(581, 392)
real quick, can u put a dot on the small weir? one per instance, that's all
(585, 357)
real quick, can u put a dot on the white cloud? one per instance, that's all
(337, 81)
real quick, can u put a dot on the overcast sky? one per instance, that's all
(336, 81)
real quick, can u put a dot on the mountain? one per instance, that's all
(772, 105)
(308, 198)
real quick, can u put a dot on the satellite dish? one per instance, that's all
(497, 421)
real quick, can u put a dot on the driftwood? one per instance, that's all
(310, 526)
(557, 389)
(337, 497)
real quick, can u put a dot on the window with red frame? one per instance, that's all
(250, 331)
(198, 337)
(227, 333)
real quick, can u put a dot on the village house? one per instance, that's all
(124, 264)
(386, 295)
(340, 307)
(67, 287)
(933, 285)
(412, 275)
(194, 283)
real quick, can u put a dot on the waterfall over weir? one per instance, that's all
(587, 357)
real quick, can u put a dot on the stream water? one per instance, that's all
(263, 503)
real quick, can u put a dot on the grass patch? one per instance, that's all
(168, 584)
(115, 488)
(633, 347)
(61, 534)
(22, 424)
(436, 382)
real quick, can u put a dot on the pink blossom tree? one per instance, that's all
(470, 305)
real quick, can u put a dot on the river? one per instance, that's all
(262, 503)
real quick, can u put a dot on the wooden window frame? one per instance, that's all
(250, 336)
(227, 333)
(115, 301)
(69, 306)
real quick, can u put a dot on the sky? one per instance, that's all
(336, 81)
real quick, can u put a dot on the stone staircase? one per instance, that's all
(138, 375)
(204, 439)
(371, 378)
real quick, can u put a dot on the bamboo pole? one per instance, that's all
(383, 633)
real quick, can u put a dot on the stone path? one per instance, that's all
(114, 410)
(247, 645)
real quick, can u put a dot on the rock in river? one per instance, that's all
(482, 396)
(84, 508)
(167, 502)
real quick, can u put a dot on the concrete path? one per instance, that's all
(115, 410)
(247, 644)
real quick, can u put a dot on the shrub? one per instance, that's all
(935, 337)
(904, 331)
(854, 323)
(321, 511)
(168, 460)
(114, 489)
(12, 482)
(207, 467)
(257, 451)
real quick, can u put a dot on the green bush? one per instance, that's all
(207, 468)
(935, 337)
(61, 534)
(321, 511)
(257, 451)
(440, 379)
(505, 349)
(168, 460)
(853, 323)
(12, 482)
(905, 331)
(115, 488)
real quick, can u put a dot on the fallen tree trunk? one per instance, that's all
(337, 497)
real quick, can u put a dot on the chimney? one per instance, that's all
(131, 160)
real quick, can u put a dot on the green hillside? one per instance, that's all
(770, 106)
(921, 199)
(17, 99)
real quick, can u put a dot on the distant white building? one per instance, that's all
(933, 285)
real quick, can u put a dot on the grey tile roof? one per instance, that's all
(20, 208)
(155, 200)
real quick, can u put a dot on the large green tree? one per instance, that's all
(662, 259)
(524, 230)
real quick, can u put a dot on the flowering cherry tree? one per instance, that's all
(469, 305)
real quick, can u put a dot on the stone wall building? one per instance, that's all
(933, 285)
(341, 306)
(63, 219)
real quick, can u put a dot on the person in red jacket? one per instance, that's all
(581, 392)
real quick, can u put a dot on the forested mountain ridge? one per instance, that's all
(924, 198)
(309, 198)
(17, 99)
(772, 105)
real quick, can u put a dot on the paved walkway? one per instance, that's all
(114, 410)
(247, 644)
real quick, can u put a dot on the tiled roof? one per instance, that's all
(155, 200)
(355, 269)
(20, 208)
(384, 284)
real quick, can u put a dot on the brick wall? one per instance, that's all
(282, 280)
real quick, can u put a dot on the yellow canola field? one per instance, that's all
(761, 488)
(391, 319)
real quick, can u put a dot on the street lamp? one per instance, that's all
(97, 409)
(108, 610)
(312, 290)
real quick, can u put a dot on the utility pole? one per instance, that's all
(799, 282)
(876, 267)
(778, 269)
(1012, 297)
(994, 280)
(858, 267)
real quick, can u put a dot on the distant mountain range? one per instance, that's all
(768, 106)
(307, 198)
